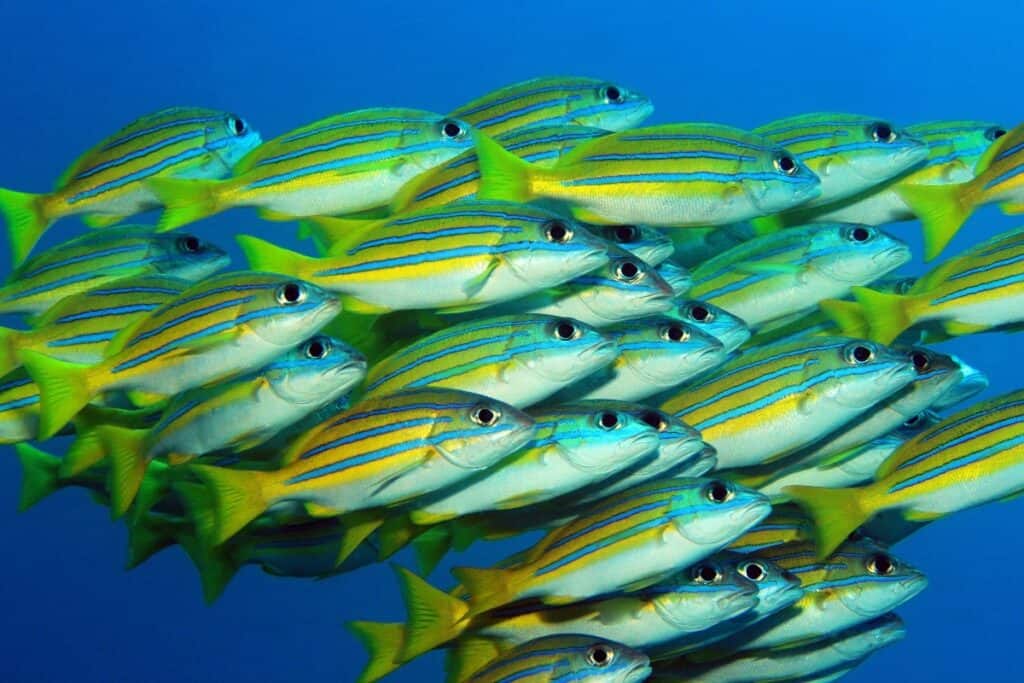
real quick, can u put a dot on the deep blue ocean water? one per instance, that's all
(73, 72)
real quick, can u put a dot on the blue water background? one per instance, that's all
(72, 72)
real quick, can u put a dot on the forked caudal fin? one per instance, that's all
(383, 643)
(435, 617)
(943, 209)
(26, 221)
(39, 475)
(887, 315)
(64, 389)
(270, 258)
(503, 175)
(185, 201)
(237, 498)
(835, 512)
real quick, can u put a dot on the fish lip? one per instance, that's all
(597, 353)
(737, 603)
(783, 597)
(893, 257)
(734, 337)
(638, 673)
(663, 300)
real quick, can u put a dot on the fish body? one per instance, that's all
(566, 657)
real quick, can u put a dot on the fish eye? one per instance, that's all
(994, 133)
(699, 313)
(628, 271)
(291, 293)
(882, 132)
(189, 244)
(912, 421)
(705, 573)
(607, 420)
(237, 125)
(452, 130)
(565, 330)
(786, 164)
(856, 354)
(626, 234)
(557, 232)
(317, 348)
(880, 564)
(612, 94)
(676, 333)
(859, 233)
(485, 417)
(654, 419)
(922, 361)
(754, 571)
(599, 655)
(718, 492)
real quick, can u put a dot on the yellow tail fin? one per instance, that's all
(126, 453)
(503, 175)
(767, 225)
(237, 498)
(86, 451)
(847, 316)
(943, 209)
(10, 342)
(435, 617)
(39, 475)
(836, 513)
(469, 656)
(148, 536)
(64, 389)
(383, 643)
(216, 565)
(270, 258)
(487, 588)
(26, 221)
(887, 315)
(431, 547)
(186, 201)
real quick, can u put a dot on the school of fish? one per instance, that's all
(683, 352)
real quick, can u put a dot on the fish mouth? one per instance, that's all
(638, 673)
(657, 302)
(602, 352)
(892, 257)
(734, 337)
(784, 597)
(737, 603)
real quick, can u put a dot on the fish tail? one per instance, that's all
(836, 513)
(435, 617)
(488, 588)
(40, 475)
(396, 533)
(216, 565)
(148, 536)
(26, 221)
(270, 258)
(767, 225)
(86, 451)
(185, 201)
(154, 486)
(64, 389)
(887, 315)
(383, 643)
(431, 547)
(327, 233)
(10, 343)
(468, 656)
(237, 498)
(199, 506)
(847, 316)
(127, 457)
(503, 175)
(943, 209)
(358, 527)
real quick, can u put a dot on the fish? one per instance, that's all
(697, 245)
(557, 100)
(832, 653)
(78, 328)
(459, 178)
(460, 256)
(107, 183)
(677, 277)
(786, 524)
(689, 174)
(654, 354)
(220, 327)
(580, 659)
(954, 149)
(649, 244)
(772, 402)
(346, 163)
(236, 414)
(943, 209)
(381, 452)
(975, 291)
(848, 152)
(783, 274)
(728, 329)
(40, 477)
(520, 359)
(970, 458)
(98, 258)
(972, 382)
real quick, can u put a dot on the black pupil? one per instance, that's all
(191, 244)
(565, 330)
(653, 420)
(675, 333)
(920, 360)
(883, 565)
(787, 164)
(291, 292)
(600, 655)
(238, 125)
(629, 269)
(557, 232)
(613, 93)
(718, 492)
(316, 349)
(485, 415)
(997, 133)
(754, 572)
(913, 421)
(883, 131)
(625, 233)
(608, 420)
(707, 573)
(861, 234)
(862, 353)
(452, 129)
(699, 313)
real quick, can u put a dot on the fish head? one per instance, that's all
(435, 139)
(230, 139)
(868, 580)
(702, 462)
(863, 373)
(875, 150)
(594, 660)
(713, 512)
(664, 351)
(677, 276)
(855, 254)
(937, 373)
(611, 106)
(859, 642)
(678, 442)
(703, 595)
(474, 432)
(777, 180)
(564, 350)
(188, 257)
(648, 244)
(777, 589)
(550, 250)
(623, 288)
(972, 381)
(596, 436)
(286, 311)
(316, 371)
(728, 329)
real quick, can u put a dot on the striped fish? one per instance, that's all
(678, 278)
(829, 654)
(650, 245)
(107, 183)
(848, 152)
(778, 399)
(345, 163)
(786, 524)
(980, 289)
(690, 174)
(468, 254)
(971, 383)
(998, 177)
(973, 457)
(557, 101)
(99, 258)
(954, 149)
(632, 540)
(727, 328)
(381, 452)
(459, 178)
(654, 354)
(223, 326)
(237, 414)
(787, 273)
(79, 328)
(563, 658)
(520, 359)
(19, 407)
